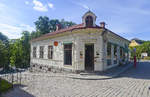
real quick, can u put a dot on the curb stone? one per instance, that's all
(101, 77)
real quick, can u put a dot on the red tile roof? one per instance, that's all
(79, 26)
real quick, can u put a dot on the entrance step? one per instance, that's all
(87, 73)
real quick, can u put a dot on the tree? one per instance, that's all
(16, 53)
(145, 47)
(3, 55)
(34, 34)
(45, 25)
(3, 38)
(53, 24)
(25, 39)
(20, 51)
(66, 24)
(4, 51)
(42, 25)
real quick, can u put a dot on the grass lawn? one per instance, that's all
(4, 86)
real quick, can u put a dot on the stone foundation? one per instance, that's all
(45, 68)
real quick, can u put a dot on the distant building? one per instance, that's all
(143, 55)
(135, 42)
(83, 47)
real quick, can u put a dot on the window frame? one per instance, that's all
(41, 52)
(115, 54)
(50, 52)
(89, 21)
(34, 52)
(109, 53)
(68, 51)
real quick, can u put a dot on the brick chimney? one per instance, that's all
(58, 27)
(102, 24)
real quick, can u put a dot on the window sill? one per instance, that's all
(67, 65)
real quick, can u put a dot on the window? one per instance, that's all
(115, 54)
(34, 52)
(50, 52)
(108, 50)
(41, 51)
(121, 52)
(68, 54)
(89, 21)
(108, 53)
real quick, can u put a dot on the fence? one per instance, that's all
(13, 76)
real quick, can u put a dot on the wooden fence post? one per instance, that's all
(12, 80)
(20, 77)
(0, 85)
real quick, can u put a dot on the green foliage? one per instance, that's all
(4, 85)
(3, 38)
(25, 39)
(16, 52)
(4, 51)
(3, 54)
(20, 51)
(145, 47)
(42, 25)
(146, 58)
(66, 24)
(45, 25)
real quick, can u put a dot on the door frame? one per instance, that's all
(92, 67)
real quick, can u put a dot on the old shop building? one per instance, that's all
(83, 47)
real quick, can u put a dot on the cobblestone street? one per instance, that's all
(133, 83)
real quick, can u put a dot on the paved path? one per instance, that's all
(133, 83)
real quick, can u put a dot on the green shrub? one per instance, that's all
(5, 85)
(146, 58)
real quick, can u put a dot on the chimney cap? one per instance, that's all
(102, 24)
(58, 27)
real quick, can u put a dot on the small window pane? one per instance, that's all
(115, 54)
(68, 54)
(34, 52)
(89, 21)
(41, 51)
(50, 52)
(108, 53)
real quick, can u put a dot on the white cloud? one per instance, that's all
(39, 6)
(81, 4)
(14, 32)
(85, 6)
(26, 27)
(27, 2)
(50, 5)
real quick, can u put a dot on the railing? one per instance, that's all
(12, 76)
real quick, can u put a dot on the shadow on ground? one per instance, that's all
(17, 91)
(142, 71)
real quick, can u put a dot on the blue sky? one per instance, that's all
(128, 18)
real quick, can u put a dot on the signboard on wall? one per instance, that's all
(55, 43)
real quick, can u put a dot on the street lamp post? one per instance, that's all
(134, 50)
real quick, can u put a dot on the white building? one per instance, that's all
(83, 47)
(143, 55)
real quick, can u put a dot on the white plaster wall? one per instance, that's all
(96, 39)
(57, 51)
(79, 40)
(116, 40)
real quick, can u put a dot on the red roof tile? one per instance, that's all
(79, 26)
